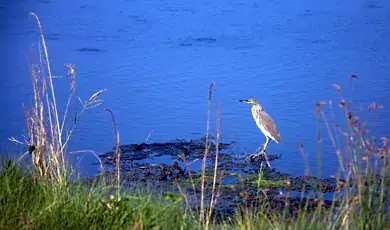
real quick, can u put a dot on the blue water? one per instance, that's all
(158, 58)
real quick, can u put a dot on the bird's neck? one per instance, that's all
(257, 106)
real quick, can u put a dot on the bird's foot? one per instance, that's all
(266, 159)
(253, 156)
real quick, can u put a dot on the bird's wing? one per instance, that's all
(270, 126)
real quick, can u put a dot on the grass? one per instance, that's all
(45, 198)
(30, 204)
(48, 132)
(361, 198)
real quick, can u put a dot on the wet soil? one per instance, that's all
(174, 168)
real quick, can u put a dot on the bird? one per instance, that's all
(266, 124)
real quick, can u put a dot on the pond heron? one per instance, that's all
(266, 124)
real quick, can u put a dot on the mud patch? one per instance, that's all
(169, 167)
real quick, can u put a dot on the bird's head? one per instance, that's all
(250, 101)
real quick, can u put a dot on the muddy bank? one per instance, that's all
(174, 167)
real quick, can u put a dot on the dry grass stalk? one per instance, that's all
(218, 128)
(205, 213)
(206, 152)
(117, 149)
(182, 156)
(47, 139)
(214, 192)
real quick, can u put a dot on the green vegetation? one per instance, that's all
(269, 183)
(26, 202)
(31, 204)
(45, 198)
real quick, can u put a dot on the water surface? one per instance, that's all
(157, 60)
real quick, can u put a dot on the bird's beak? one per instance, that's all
(245, 101)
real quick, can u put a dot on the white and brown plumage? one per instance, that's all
(265, 123)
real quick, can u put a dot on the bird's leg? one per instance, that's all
(257, 154)
(261, 146)
(254, 155)
(263, 152)
(266, 144)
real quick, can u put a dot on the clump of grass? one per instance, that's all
(48, 134)
(29, 204)
(361, 197)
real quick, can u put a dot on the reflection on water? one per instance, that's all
(157, 60)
